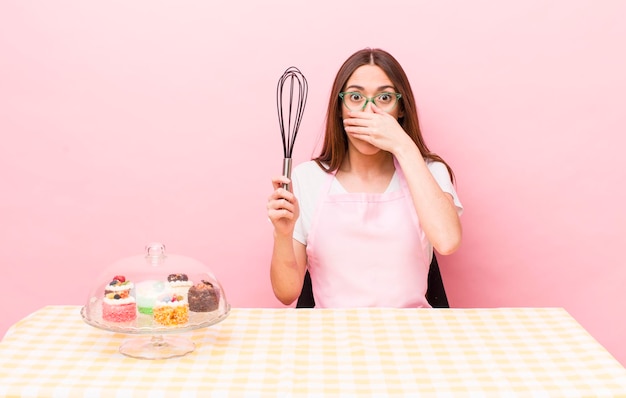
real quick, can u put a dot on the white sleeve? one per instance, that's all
(440, 173)
(299, 231)
(307, 179)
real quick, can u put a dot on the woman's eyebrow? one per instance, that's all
(381, 88)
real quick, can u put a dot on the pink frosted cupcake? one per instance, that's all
(118, 305)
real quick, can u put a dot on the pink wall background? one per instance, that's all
(123, 123)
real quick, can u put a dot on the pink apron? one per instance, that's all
(368, 250)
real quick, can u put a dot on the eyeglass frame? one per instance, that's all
(369, 99)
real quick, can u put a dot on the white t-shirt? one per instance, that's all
(308, 180)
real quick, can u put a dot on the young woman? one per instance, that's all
(365, 215)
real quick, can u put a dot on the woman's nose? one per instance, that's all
(368, 106)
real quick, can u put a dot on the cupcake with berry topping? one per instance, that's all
(171, 309)
(203, 297)
(179, 284)
(118, 305)
(118, 284)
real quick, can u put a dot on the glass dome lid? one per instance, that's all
(155, 293)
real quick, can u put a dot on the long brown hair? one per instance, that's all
(335, 144)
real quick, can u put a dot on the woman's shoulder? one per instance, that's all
(308, 177)
(308, 168)
(438, 169)
(435, 164)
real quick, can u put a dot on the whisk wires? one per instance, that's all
(290, 113)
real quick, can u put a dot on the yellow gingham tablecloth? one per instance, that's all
(541, 352)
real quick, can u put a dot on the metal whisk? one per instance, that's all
(289, 118)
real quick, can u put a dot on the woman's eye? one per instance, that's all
(384, 97)
(356, 97)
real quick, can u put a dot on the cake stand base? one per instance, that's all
(157, 347)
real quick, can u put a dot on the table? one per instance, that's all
(528, 352)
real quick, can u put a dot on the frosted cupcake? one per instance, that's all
(179, 284)
(118, 284)
(118, 305)
(147, 293)
(171, 310)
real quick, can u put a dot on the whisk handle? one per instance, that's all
(287, 170)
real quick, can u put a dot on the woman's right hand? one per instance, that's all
(282, 207)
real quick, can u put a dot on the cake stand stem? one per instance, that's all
(157, 347)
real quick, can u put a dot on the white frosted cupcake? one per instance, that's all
(118, 285)
(179, 284)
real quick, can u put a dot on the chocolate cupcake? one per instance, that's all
(203, 297)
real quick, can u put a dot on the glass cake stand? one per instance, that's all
(156, 297)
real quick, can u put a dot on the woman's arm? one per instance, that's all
(287, 269)
(435, 209)
(288, 265)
